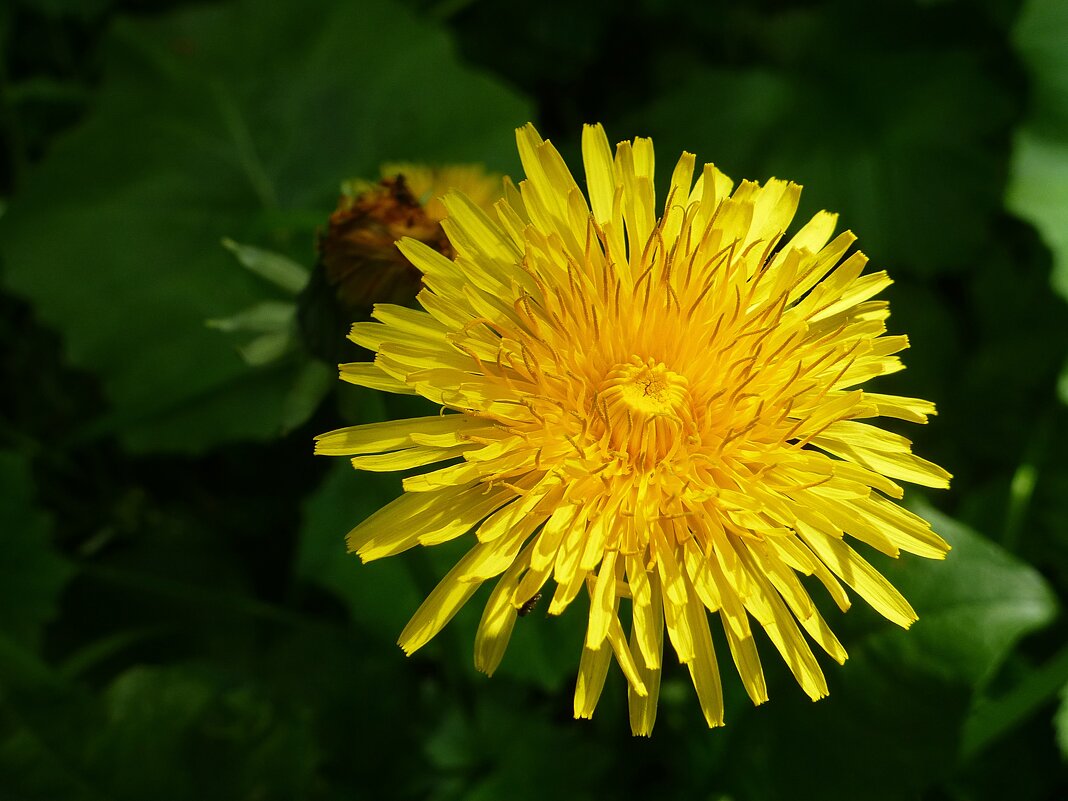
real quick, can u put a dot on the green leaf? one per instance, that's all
(1060, 723)
(896, 708)
(44, 723)
(1038, 192)
(543, 651)
(32, 574)
(206, 126)
(268, 316)
(992, 719)
(495, 749)
(310, 387)
(379, 596)
(1038, 183)
(274, 267)
(183, 732)
(178, 732)
(266, 348)
(973, 608)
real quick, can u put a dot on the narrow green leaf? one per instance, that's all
(32, 574)
(274, 267)
(269, 316)
(311, 386)
(266, 348)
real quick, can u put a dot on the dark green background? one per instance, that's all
(178, 618)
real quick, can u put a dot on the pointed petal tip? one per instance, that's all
(412, 639)
(906, 623)
(365, 550)
(528, 135)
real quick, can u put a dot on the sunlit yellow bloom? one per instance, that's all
(663, 411)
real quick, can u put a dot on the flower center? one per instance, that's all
(646, 410)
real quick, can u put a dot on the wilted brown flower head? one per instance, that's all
(358, 249)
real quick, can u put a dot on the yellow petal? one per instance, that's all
(370, 375)
(704, 671)
(600, 175)
(908, 531)
(903, 466)
(592, 671)
(849, 566)
(421, 518)
(625, 658)
(496, 556)
(914, 410)
(767, 607)
(417, 456)
(412, 321)
(427, 260)
(603, 601)
(390, 435)
(644, 611)
(440, 606)
(498, 618)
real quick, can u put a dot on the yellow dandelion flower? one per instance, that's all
(663, 411)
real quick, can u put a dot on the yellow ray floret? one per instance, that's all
(659, 407)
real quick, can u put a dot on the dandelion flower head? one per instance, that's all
(659, 408)
(358, 248)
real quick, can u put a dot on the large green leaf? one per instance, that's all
(32, 574)
(1038, 188)
(973, 608)
(183, 732)
(381, 596)
(178, 732)
(892, 723)
(209, 126)
(43, 723)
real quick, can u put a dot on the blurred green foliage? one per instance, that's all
(1039, 188)
(32, 574)
(204, 126)
(178, 616)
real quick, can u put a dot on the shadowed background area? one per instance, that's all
(178, 616)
